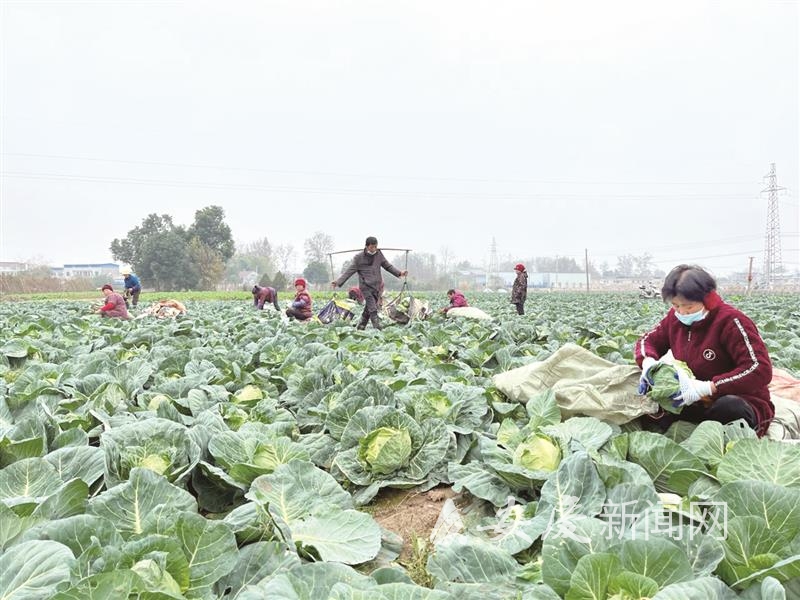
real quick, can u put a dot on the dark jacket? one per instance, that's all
(519, 291)
(262, 295)
(368, 268)
(725, 347)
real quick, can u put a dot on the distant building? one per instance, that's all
(14, 267)
(86, 270)
(559, 281)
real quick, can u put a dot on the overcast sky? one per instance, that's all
(554, 127)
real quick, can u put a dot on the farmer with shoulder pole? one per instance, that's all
(368, 265)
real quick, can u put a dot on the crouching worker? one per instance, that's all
(354, 293)
(457, 300)
(133, 287)
(114, 306)
(301, 305)
(721, 346)
(262, 295)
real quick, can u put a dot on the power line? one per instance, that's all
(744, 253)
(353, 191)
(683, 246)
(364, 175)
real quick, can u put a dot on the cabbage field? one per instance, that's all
(231, 454)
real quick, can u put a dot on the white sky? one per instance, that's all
(621, 127)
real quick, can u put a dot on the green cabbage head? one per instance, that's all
(158, 460)
(385, 450)
(538, 453)
(440, 404)
(665, 384)
(156, 577)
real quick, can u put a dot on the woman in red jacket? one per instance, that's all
(301, 305)
(114, 306)
(457, 300)
(720, 345)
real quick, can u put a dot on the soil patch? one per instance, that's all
(410, 514)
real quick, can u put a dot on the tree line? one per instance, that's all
(203, 255)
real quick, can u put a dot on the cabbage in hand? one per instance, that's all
(665, 384)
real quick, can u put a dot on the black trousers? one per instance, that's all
(725, 409)
(371, 302)
(296, 313)
(133, 294)
(520, 307)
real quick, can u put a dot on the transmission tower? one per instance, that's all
(491, 272)
(772, 240)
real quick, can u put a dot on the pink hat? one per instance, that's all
(519, 267)
(300, 281)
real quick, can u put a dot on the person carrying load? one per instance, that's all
(368, 265)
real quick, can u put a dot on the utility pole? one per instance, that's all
(491, 272)
(749, 275)
(772, 239)
(586, 259)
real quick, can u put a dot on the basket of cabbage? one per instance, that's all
(404, 307)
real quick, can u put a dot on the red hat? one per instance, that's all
(300, 281)
(519, 267)
(107, 287)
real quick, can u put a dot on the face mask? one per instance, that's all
(372, 253)
(691, 317)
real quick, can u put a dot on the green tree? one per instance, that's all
(316, 272)
(170, 257)
(266, 281)
(255, 256)
(167, 263)
(210, 228)
(559, 264)
(207, 263)
(130, 248)
(279, 282)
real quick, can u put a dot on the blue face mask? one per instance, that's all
(691, 317)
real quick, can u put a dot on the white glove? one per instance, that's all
(691, 389)
(646, 380)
